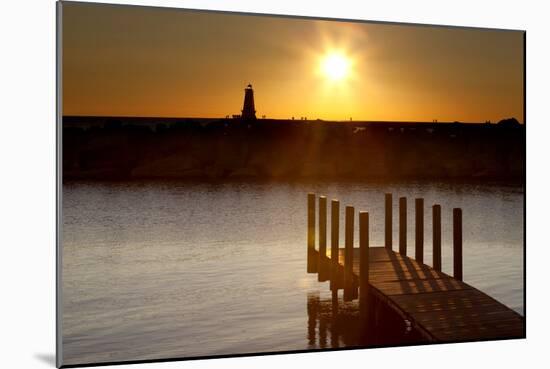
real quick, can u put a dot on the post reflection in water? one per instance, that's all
(333, 323)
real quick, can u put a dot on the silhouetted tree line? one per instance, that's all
(163, 148)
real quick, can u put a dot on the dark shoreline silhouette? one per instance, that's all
(134, 148)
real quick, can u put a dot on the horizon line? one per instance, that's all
(289, 119)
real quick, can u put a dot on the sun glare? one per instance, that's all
(335, 66)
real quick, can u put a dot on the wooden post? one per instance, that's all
(389, 218)
(348, 254)
(436, 215)
(363, 260)
(334, 244)
(457, 243)
(403, 225)
(311, 259)
(323, 265)
(419, 230)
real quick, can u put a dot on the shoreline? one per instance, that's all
(226, 149)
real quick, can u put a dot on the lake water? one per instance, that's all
(163, 270)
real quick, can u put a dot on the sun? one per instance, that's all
(335, 66)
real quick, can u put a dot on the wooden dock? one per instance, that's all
(440, 307)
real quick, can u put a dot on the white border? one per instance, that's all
(27, 195)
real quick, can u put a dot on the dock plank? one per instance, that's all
(444, 308)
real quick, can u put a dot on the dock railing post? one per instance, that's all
(436, 220)
(311, 259)
(403, 225)
(323, 265)
(348, 254)
(419, 230)
(363, 261)
(389, 219)
(334, 244)
(457, 243)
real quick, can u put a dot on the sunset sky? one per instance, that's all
(138, 61)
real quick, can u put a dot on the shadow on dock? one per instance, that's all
(333, 323)
(401, 299)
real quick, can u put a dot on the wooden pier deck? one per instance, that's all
(440, 307)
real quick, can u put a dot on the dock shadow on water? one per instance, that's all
(335, 323)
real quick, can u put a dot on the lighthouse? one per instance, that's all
(249, 112)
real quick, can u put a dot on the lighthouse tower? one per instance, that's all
(249, 112)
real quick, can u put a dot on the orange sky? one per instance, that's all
(138, 61)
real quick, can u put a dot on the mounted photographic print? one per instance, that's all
(240, 184)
